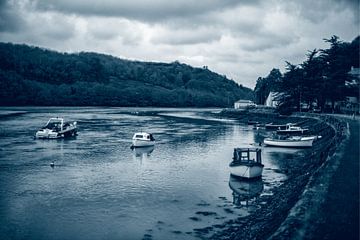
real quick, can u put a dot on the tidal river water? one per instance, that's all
(101, 189)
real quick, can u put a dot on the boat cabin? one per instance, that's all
(144, 136)
(292, 129)
(55, 123)
(247, 155)
(246, 163)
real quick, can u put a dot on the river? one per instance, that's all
(101, 189)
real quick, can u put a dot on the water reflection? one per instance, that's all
(245, 191)
(131, 193)
(143, 152)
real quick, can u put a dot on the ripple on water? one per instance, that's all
(173, 191)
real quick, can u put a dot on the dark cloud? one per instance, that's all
(142, 10)
(242, 39)
(317, 11)
(10, 21)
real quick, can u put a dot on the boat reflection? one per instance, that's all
(245, 191)
(143, 152)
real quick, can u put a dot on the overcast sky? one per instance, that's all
(242, 39)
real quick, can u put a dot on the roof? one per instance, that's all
(244, 101)
(251, 149)
(354, 71)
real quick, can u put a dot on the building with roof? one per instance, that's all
(243, 103)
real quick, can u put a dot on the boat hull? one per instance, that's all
(289, 143)
(274, 127)
(246, 171)
(50, 134)
(283, 132)
(142, 143)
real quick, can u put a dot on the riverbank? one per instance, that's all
(275, 209)
(329, 206)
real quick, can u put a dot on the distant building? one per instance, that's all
(243, 104)
(270, 100)
(352, 85)
(355, 73)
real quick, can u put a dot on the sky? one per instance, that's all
(242, 39)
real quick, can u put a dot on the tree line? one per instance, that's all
(36, 76)
(319, 81)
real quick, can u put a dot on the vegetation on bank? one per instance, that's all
(36, 76)
(319, 80)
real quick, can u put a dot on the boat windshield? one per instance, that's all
(54, 124)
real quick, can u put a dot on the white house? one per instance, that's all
(243, 104)
(270, 100)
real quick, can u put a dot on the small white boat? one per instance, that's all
(273, 126)
(295, 142)
(291, 129)
(57, 128)
(246, 163)
(143, 139)
(310, 137)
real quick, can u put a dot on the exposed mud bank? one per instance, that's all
(274, 212)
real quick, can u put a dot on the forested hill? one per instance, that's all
(36, 76)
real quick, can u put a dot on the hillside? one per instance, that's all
(36, 76)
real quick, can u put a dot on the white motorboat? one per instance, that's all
(57, 128)
(295, 142)
(291, 129)
(310, 137)
(273, 126)
(143, 139)
(246, 163)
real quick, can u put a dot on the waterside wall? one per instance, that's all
(284, 216)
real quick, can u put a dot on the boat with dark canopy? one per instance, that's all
(246, 163)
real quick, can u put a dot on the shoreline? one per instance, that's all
(271, 220)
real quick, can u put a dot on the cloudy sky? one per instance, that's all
(242, 39)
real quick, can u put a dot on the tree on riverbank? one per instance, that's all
(319, 79)
(266, 85)
(36, 76)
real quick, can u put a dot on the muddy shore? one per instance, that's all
(275, 209)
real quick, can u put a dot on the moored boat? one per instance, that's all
(143, 139)
(290, 129)
(57, 128)
(272, 126)
(294, 142)
(246, 163)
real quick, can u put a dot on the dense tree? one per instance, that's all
(320, 78)
(266, 85)
(35, 76)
